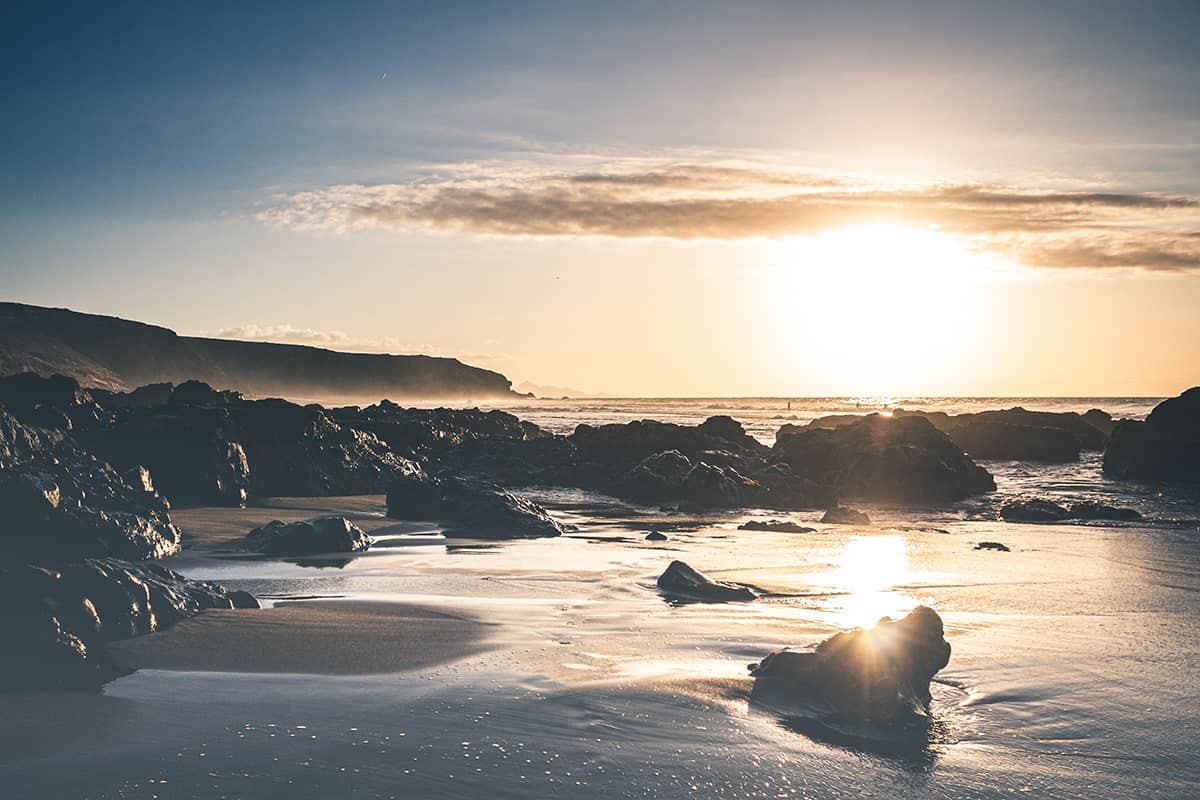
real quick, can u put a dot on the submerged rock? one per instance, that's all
(55, 621)
(1166, 447)
(310, 537)
(879, 458)
(843, 515)
(779, 526)
(878, 674)
(471, 509)
(656, 536)
(1037, 510)
(684, 582)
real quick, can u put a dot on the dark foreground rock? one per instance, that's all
(1165, 447)
(1003, 548)
(843, 515)
(656, 536)
(309, 537)
(779, 526)
(61, 504)
(878, 674)
(1037, 510)
(683, 582)
(883, 459)
(55, 622)
(471, 509)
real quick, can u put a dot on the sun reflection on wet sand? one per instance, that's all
(869, 568)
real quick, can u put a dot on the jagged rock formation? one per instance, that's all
(55, 622)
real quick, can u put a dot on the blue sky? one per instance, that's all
(142, 142)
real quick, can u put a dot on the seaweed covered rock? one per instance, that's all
(681, 581)
(62, 504)
(1165, 447)
(309, 537)
(469, 508)
(878, 674)
(56, 621)
(883, 459)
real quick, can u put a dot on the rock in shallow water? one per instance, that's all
(879, 674)
(684, 582)
(310, 537)
(842, 515)
(1166, 447)
(54, 622)
(779, 526)
(471, 509)
(1037, 510)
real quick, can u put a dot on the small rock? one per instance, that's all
(656, 536)
(841, 515)
(310, 537)
(779, 526)
(992, 546)
(685, 582)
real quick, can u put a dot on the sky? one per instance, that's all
(670, 198)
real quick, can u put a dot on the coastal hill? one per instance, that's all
(119, 355)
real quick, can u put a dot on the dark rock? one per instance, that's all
(310, 537)
(707, 486)
(657, 478)
(656, 536)
(61, 504)
(992, 546)
(152, 394)
(471, 509)
(1166, 447)
(192, 451)
(883, 459)
(198, 393)
(1086, 429)
(1003, 441)
(621, 447)
(1037, 510)
(779, 526)
(878, 674)
(842, 515)
(55, 622)
(683, 582)
(57, 402)
(430, 433)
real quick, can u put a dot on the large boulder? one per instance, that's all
(61, 504)
(884, 459)
(681, 581)
(469, 508)
(309, 537)
(55, 621)
(1166, 447)
(192, 451)
(427, 433)
(620, 447)
(1090, 430)
(1005, 441)
(878, 674)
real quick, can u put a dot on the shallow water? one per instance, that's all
(1073, 672)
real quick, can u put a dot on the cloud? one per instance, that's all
(339, 340)
(731, 201)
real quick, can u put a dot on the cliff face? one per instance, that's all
(118, 354)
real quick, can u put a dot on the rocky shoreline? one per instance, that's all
(88, 478)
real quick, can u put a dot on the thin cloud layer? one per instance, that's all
(685, 201)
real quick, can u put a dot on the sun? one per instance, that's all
(882, 307)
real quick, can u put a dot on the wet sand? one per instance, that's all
(311, 638)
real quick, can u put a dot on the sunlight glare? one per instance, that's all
(869, 569)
